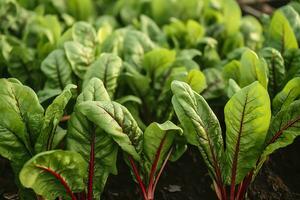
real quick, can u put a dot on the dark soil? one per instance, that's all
(187, 179)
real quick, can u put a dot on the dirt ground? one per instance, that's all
(188, 179)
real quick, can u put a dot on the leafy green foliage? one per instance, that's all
(129, 60)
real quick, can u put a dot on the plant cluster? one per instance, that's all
(82, 81)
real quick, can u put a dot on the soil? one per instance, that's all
(187, 179)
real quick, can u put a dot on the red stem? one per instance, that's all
(138, 178)
(154, 167)
(161, 170)
(244, 185)
(236, 154)
(65, 118)
(91, 169)
(61, 180)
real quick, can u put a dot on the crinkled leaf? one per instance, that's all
(276, 69)
(57, 70)
(20, 122)
(79, 56)
(117, 122)
(107, 68)
(83, 135)
(215, 83)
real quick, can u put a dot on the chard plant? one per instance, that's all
(251, 135)
(97, 130)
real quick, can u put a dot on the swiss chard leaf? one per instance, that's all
(65, 170)
(91, 142)
(107, 68)
(247, 118)
(276, 69)
(280, 34)
(287, 95)
(57, 70)
(53, 114)
(20, 122)
(201, 126)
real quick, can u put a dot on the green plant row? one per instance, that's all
(84, 81)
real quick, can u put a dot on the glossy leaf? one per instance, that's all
(117, 122)
(90, 141)
(196, 80)
(201, 126)
(280, 33)
(289, 93)
(252, 68)
(65, 170)
(158, 139)
(53, 114)
(283, 130)
(20, 121)
(247, 118)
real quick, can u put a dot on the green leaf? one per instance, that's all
(232, 16)
(291, 62)
(158, 138)
(53, 114)
(232, 71)
(158, 59)
(138, 82)
(80, 9)
(283, 130)
(150, 28)
(117, 122)
(247, 118)
(136, 44)
(82, 135)
(201, 126)
(288, 94)
(280, 33)
(276, 69)
(293, 18)
(21, 118)
(57, 70)
(65, 170)
(233, 88)
(84, 33)
(252, 30)
(196, 80)
(215, 83)
(79, 56)
(252, 68)
(107, 68)
(195, 32)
